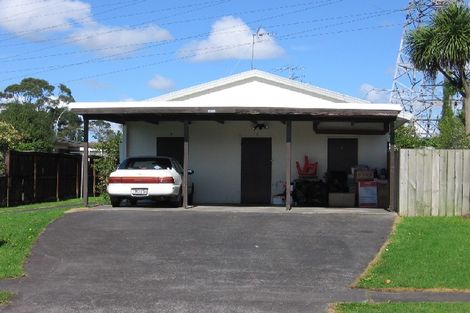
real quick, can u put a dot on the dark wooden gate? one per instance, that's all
(256, 171)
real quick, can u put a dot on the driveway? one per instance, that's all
(195, 261)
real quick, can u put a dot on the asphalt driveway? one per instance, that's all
(187, 261)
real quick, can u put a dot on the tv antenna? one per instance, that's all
(258, 34)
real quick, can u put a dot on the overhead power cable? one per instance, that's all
(208, 51)
(366, 15)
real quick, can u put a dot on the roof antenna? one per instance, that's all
(258, 35)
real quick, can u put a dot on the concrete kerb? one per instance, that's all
(247, 209)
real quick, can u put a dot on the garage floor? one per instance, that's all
(203, 260)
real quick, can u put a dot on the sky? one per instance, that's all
(122, 50)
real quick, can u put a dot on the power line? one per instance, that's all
(317, 5)
(225, 31)
(59, 26)
(366, 15)
(208, 52)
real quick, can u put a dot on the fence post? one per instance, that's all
(8, 173)
(35, 177)
(77, 178)
(57, 180)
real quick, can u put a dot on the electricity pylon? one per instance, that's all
(418, 94)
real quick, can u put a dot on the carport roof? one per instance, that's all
(249, 95)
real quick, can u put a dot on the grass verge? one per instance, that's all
(19, 229)
(423, 253)
(71, 203)
(424, 307)
(5, 297)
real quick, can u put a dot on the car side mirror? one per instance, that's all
(190, 172)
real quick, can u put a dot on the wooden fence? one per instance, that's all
(38, 177)
(434, 182)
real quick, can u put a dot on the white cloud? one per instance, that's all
(117, 41)
(161, 83)
(231, 38)
(373, 94)
(36, 19)
(33, 19)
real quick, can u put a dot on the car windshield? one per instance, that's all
(146, 164)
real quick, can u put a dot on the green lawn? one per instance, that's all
(72, 203)
(20, 228)
(424, 253)
(5, 297)
(403, 308)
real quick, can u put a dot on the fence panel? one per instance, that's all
(38, 177)
(434, 182)
(46, 177)
(3, 191)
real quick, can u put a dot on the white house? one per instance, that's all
(243, 134)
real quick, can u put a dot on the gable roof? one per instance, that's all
(257, 76)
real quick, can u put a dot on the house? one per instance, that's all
(243, 134)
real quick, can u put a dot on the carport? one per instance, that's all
(253, 97)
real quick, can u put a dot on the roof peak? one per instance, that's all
(256, 74)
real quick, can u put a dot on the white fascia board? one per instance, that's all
(77, 106)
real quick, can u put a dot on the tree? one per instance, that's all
(101, 130)
(452, 134)
(47, 98)
(407, 138)
(9, 138)
(38, 92)
(443, 47)
(35, 126)
(109, 146)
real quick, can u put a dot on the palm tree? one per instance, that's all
(443, 47)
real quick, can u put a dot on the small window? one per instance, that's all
(146, 164)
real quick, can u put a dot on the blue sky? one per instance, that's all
(133, 50)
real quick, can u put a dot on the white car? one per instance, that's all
(156, 178)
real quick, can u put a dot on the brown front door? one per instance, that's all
(342, 154)
(256, 171)
(171, 147)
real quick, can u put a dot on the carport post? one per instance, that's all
(392, 170)
(185, 164)
(85, 161)
(288, 163)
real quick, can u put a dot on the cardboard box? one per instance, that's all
(364, 175)
(341, 200)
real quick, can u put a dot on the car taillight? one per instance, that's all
(115, 180)
(141, 180)
(167, 180)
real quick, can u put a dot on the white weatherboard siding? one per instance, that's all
(215, 152)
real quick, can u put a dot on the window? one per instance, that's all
(146, 164)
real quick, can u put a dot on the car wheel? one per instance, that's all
(191, 196)
(115, 202)
(178, 200)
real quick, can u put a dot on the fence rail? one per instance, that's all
(434, 182)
